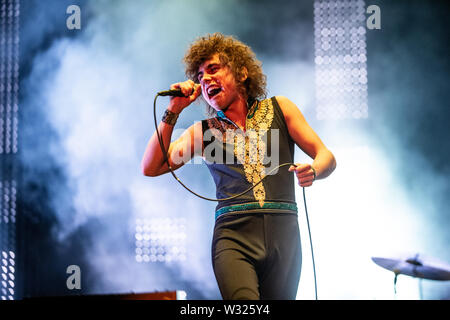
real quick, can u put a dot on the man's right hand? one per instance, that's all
(190, 89)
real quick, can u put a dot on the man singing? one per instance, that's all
(256, 250)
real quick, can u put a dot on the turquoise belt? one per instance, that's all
(285, 206)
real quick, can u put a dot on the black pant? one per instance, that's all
(257, 256)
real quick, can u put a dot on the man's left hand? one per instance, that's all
(305, 174)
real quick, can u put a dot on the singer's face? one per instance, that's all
(219, 86)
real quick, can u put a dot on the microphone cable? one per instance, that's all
(311, 244)
(166, 160)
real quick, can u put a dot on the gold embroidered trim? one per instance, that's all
(251, 149)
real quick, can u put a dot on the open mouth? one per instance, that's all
(213, 91)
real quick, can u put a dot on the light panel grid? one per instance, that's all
(8, 202)
(8, 196)
(9, 75)
(160, 240)
(9, 122)
(7, 273)
(340, 59)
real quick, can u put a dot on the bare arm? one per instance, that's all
(179, 151)
(184, 148)
(306, 139)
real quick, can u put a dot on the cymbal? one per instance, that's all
(415, 267)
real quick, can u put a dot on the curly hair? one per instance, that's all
(234, 54)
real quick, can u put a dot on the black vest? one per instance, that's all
(238, 160)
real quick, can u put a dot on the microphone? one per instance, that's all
(176, 92)
(172, 93)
